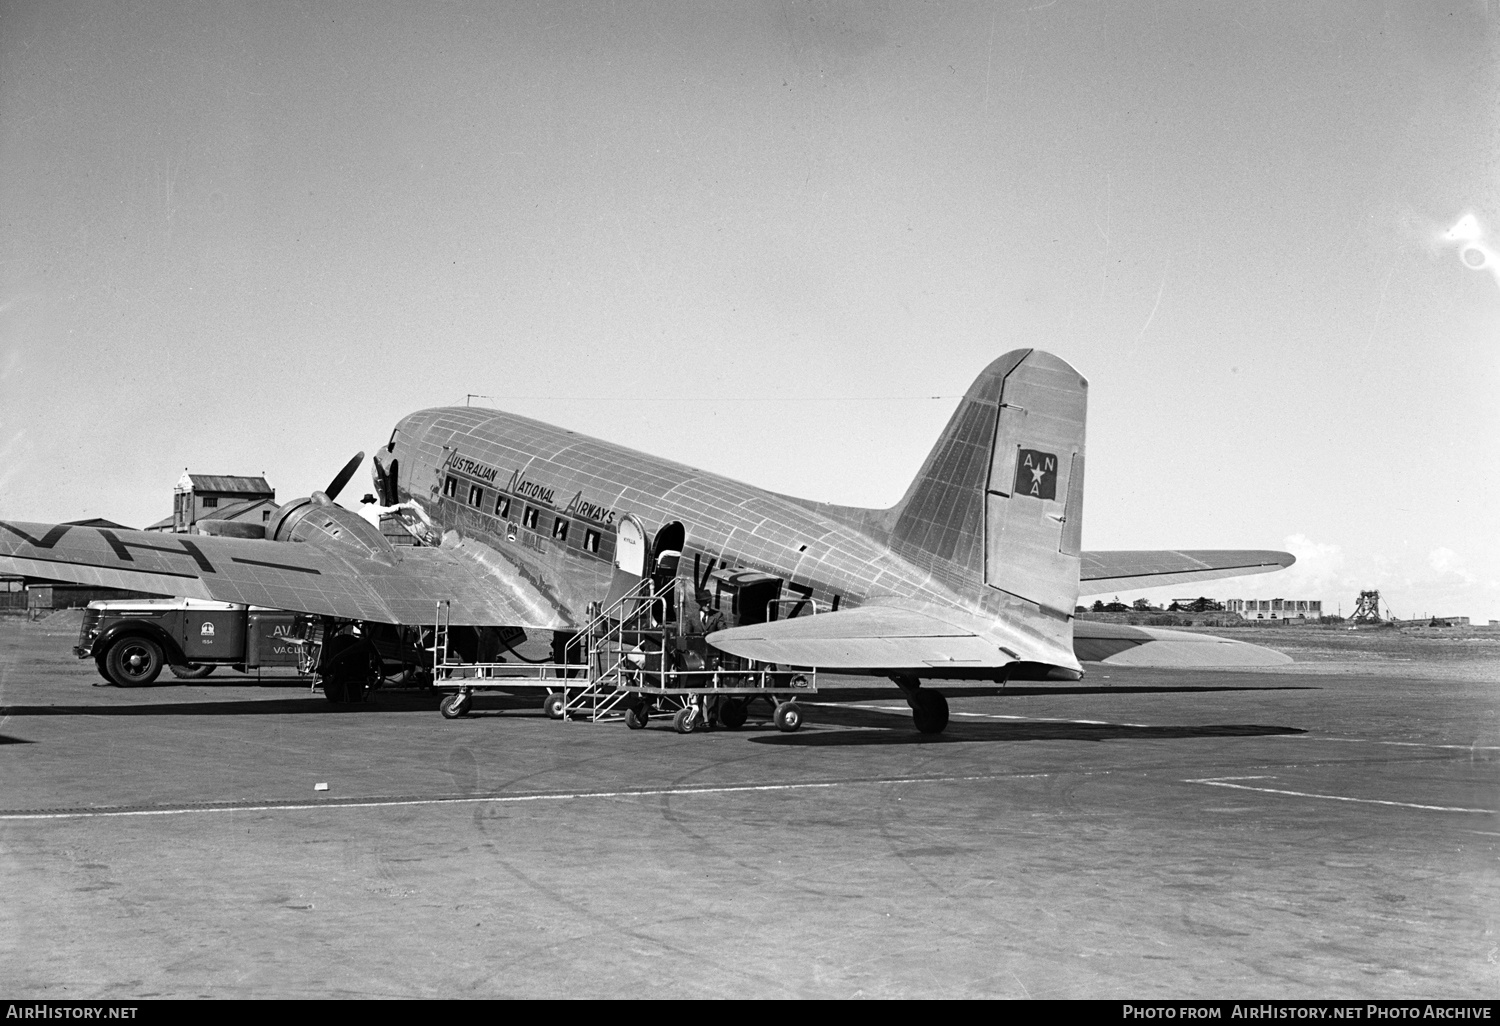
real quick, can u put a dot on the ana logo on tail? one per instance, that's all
(1036, 474)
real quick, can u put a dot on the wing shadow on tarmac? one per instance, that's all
(312, 705)
(845, 694)
(494, 704)
(888, 728)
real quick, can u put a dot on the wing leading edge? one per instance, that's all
(302, 577)
(1104, 572)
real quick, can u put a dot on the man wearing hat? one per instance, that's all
(709, 619)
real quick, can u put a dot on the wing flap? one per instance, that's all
(1106, 571)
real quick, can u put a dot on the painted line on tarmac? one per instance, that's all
(1229, 782)
(906, 710)
(1401, 744)
(556, 796)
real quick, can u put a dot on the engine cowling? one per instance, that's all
(319, 520)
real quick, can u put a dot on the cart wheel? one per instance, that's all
(733, 713)
(635, 717)
(686, 721)
(552, 705)
(455, 705)
(787, 716)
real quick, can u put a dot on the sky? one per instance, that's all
(777, 241)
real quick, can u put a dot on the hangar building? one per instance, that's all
(198, 497)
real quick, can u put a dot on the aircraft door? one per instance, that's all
(632, 548)
(666, 554)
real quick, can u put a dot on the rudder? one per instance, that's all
(999, 500)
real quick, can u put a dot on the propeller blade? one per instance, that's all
(337, 484)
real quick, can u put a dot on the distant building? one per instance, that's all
(210, 496)
(1275, 609)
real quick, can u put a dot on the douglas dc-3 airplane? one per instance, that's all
(973, 575)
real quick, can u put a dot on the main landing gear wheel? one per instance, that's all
(552, 705)
(350, 665)
(787, 717)
(635, 717)
(733, 713)
(192, 671)
(453, 706)
(929, 709)
(133, 662)
(687, 720)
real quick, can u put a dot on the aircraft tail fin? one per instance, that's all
(999, 501)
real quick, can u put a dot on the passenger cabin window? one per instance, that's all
(502, 506)
(560, 529)
(476, 496)
(530, 519)
(450, 486)
(591, 540)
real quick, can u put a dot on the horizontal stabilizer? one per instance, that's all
(1105, 572)
(1117, 644)
(884, 639)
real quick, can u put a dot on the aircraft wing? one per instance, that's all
(885, 638)
(302, 577)
(1104, 572)
(1119, 644)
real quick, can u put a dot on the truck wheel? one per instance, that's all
(99, 661)
(192, 671)
(133, 661)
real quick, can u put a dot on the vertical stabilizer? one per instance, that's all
(1034, 499)
(999, 501)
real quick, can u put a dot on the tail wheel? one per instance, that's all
(192, 671)
(134, 661)
(788, 717)
(455, 705)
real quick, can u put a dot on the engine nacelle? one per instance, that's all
(318, 519)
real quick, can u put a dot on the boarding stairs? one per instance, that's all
(638, 661)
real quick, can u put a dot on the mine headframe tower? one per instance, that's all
(1368, 609)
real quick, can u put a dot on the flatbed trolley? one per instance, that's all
(700, 699)
(461, 680)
